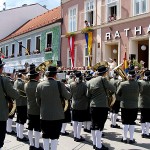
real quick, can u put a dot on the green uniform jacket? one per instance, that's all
(116, 83)
(19, 86)
(30, 90)
(79, 99)
(129, 93)
(96, 91)
(11, 92)
(144, 99)
(48, 98)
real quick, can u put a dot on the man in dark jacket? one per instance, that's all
(21, 104)
(11, 92)
(51, 110)
(33, 110)
(97, 92)
(129, 93)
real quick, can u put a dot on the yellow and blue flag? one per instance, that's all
(125, 64)
(89, 40)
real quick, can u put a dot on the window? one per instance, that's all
(69, 63)
(111, 1)
(20, 49)
(140, 6)
(86, 57)
(28, 47)
(49, 42)
(72, 19)
(13, 49)
(112, 10)
(6, 51)
(38, 43)
(90, 12)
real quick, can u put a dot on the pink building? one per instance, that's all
(119, 26)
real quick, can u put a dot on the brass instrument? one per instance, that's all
(141, 74)
(121, 72)
(44, 65)
(105, 63)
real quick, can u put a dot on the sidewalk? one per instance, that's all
(111, 139)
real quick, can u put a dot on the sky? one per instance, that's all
(18, 3)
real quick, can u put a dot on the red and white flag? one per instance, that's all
(71, 40)
(2, 56)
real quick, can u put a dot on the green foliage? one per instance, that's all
(70, 34)
(87, 29)
(136, 63)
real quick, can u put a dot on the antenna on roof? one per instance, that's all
(44, 6)
(4, 4)
(24, 5)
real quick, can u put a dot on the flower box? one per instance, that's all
(48, 49)
(70, 34)
(86, 30)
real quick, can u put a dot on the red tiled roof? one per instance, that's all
(45, 19)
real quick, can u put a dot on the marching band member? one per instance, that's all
(115, 108)
(79, 105)
(51, 110)
(11, 112)
(4, 103)
(87, 123)
(99, 105)
(129, 94)
(21, 104)
(33, 110)
(67, 112)
(144, 105)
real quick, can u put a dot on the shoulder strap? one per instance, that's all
(59, 88)
(104, 86)
(3, 86)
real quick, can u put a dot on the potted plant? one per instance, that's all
(70, 34)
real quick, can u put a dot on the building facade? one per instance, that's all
(35, 42)
(118, 27)
(13, 18)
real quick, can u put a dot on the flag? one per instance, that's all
(71, 40)
(89, 40)
(2, 56)
(125, 63)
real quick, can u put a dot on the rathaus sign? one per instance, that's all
(137, 30)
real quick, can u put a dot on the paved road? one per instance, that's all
(112, 140)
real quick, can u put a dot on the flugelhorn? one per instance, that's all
(121, 72)
(44, 65)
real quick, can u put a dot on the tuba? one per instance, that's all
(105, 63)
(44, 65)
(121, 72)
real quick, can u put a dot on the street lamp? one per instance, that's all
(114, 51)
(143, 47)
